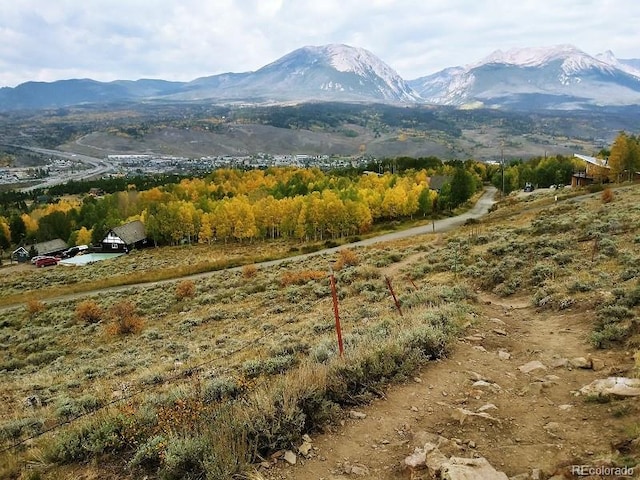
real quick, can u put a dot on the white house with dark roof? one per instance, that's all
(125, 238)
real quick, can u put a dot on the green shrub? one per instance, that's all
(508, 287)
(220, 388)
(277, 422)
(14, 429)
(102, 434)
(607, 247)
(279, 364)
(632, 297)
(149, 454)
(48, 356)
(579, 286)
(563, 258)
(613, 313)
(324, 351)
(608, 335)
(541, 272)
(184, 458)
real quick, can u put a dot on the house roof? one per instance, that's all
(131, 232)
(437, 181)
(19, 249)
(52, 246)
(598, 162)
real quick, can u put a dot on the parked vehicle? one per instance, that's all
(73, 251)
(528, 187)
(37, 257)
(46, 262)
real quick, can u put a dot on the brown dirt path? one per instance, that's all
(539, 422)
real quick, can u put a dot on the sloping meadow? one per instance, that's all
(205, 377)
(200, 379)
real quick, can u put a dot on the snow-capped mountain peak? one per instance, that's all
(531, 56)
(556, 77)
(610, 59)
(573, 59)
(359, 61)
(562, 76)
(346, 69)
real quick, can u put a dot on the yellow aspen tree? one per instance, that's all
(30, 224)
(618, 156)
(84, 236)
(205, 235)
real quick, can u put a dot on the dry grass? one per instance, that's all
(280, 318)
(34, 307)
(124, 319)
(301, 277)
(346, 257)
(143, 266)
(249, 271)
(607, 195)
(89, 312)
(185, 289)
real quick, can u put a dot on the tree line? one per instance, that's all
(306, 204)
(622, 160)
(235, 205)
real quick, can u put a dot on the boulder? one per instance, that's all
(488, 385)
(357, 470)
(434, 460)
(503, 355)
(462, 414)
(416, 461)
(305, 449)
(487, 406)
(290, 457)
(580, 362)
(559, 362)
(532, 366)
(597, 363)
(457, 468)
(32, 401)
(616, 386)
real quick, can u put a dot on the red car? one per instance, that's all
(46, 261)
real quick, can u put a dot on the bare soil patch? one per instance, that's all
(539, 422)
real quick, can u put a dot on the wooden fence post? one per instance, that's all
(393, 294)
(334, 295)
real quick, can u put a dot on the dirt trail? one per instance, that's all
(538, 422)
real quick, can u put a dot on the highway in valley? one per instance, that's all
(96, 167)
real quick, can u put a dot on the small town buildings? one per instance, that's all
(125, 238)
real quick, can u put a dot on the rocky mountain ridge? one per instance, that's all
(557, 77)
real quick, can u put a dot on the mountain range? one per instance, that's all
(542, 78)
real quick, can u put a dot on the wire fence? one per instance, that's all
(185, 373)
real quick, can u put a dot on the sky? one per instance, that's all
(180, 40)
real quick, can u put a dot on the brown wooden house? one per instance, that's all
(596, 171)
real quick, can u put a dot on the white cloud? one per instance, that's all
(182, 40)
